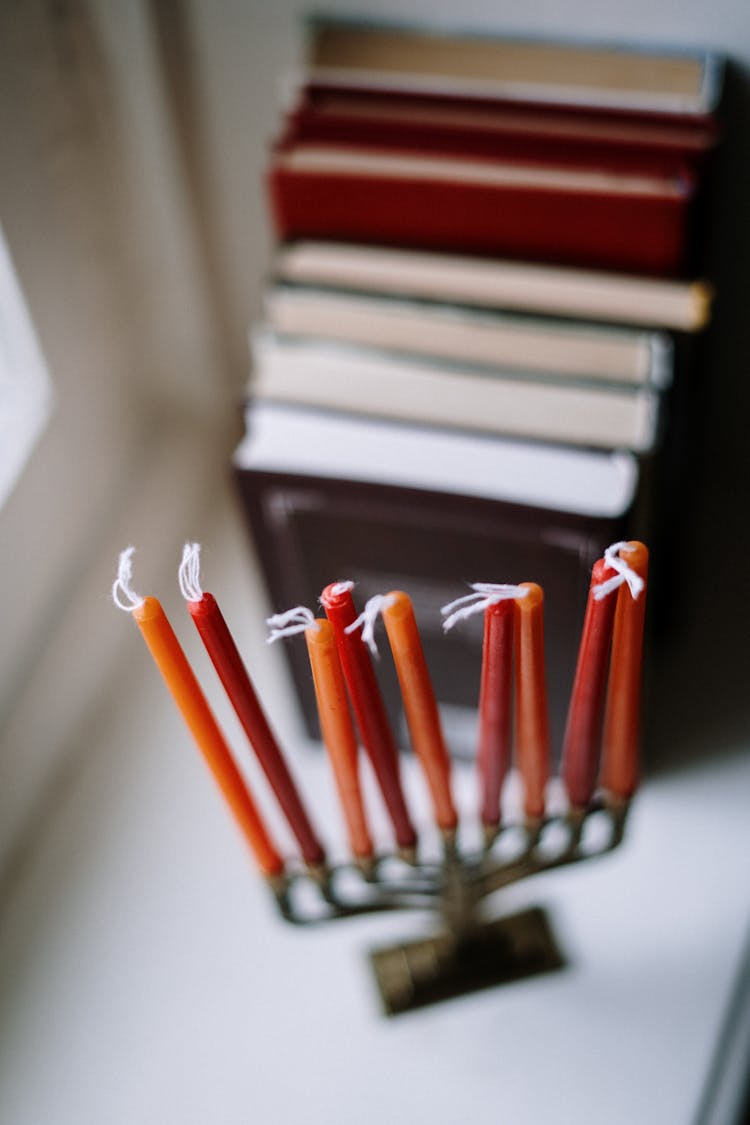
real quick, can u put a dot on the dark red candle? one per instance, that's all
(228, 663)
(580, 756)
(369, 709)
(493, 750)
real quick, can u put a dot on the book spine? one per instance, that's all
(641, 155)
(599, 416)
(621, 232)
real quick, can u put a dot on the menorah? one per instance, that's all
(598, 764)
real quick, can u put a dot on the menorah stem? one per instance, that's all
(459, 900)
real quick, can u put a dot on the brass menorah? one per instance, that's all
(468, 952)
(598, 774)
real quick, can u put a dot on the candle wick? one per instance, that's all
(189, 573)
(367, 619)
(484, 595)
(121, 587)
(296, 620)
(623, 573)
(339, 588)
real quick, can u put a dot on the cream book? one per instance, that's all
(378, 56)
(388, 385)
(498, 283)
(472, 336)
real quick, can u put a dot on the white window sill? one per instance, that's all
(146, 977)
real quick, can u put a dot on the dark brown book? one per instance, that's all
(311, 530)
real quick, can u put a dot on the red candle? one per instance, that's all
(337, 730)
(583, 730)
(493, 752)
(369, 709)
(180, 679)
(420, 707)
(622, 715)
(531, 719)
(227, 661)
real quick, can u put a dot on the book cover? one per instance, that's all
(387, 385)
(562, 215)
(474, 336)
(593, 295)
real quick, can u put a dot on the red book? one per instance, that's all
(557, 214)
(548, 135)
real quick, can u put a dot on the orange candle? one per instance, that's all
(421, 710)
(531, 719)
(338, 734)
(622, 715)
(180, 679)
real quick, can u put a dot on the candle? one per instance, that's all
(421, 710)
(338, 734)
(181, 682)
(231, 670)
(493, 752)
(622, 715)
(369, 709)
(580, 755)
(531, 720)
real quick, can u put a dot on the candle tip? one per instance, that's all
(189, 573)
(121, 587)
(624, 573)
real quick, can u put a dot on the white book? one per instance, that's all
(526, 343)
(498, 283)
(318, 443)
(391, 386)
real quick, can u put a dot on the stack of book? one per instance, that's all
(487, 263)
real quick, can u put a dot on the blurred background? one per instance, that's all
(134, 140)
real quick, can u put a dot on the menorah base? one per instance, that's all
(443, 967)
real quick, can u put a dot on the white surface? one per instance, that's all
(146, 978)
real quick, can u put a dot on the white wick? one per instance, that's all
(342, 587)
(189, 573)
(624, 574)
(121, 586)
(295, 620)
(367, 618)
(484, 595)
